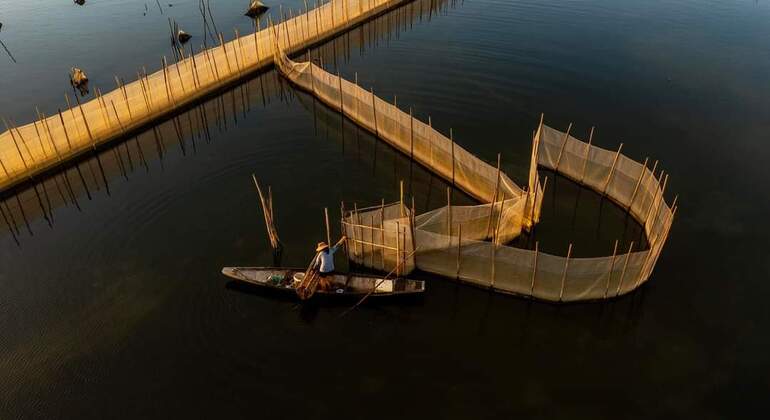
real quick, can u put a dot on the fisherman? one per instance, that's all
(324, 262)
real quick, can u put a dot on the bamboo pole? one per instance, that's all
(660, 249)
(494, 264)
(459, 245)
(534, 200)
(23, 141)
(15, 142)
(398, 249)
(451, 137)
(449, 214)
(657, 206)
(224, 50)
(534, 271)
(85, 121)
(625, 265)
(374, 110)
(382, 231)
(169, 92)
(50, 137)
(411, 137)
(355, 232)
(240, 47)
(588, 152)
(39, 136)
(563, 145)
(317, 28)
(494, 197)
(342, 106)
(636, 187)
(256, 39)
(612, 170)
(196, 75)
(103, 108)
(328, 231)
(401, 198)
(612, 268)
(564, 274)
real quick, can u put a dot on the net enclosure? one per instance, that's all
(467, 243)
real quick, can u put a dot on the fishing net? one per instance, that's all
(467, 242)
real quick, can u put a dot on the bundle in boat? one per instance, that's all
(256, 8)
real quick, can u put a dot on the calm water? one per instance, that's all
(112, 305)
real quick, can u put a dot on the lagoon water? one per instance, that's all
(111, 300)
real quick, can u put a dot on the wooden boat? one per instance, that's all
(350, 284)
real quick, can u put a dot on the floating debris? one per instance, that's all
(256, 8)
(80, 2)
(183, 36)
(79, 80)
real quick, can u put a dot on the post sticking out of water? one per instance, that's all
(612, 170)
(612, 268)
(564, 274)
(328, 231)
(563, 145)
(534, 270)
(588, 152)
(625, 265)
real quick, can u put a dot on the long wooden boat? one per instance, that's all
(350, 284)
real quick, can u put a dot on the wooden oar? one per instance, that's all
(398, 265)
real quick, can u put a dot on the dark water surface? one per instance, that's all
(111, 301)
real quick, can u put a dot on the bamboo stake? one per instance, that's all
(342, 106)
(169, 92)
(382, 230)
(328, 232)
(401, 198)
(660, 249)
(23, 142)
(612, 268)
(657, 206)
(494, 197)
(459, 244)
(636, 187)
(534, 271)
(398, 249)
(235, 52)
(449, 214)
(451, 137)
(256, 39)
(317, 30)
(85, 121)
(374, 110)
(24, 161)
(66, 135)
(494, 264)
(411, 137)
(563, 145)
(588, 151)
(564, 274)
(355, 232)
(103, 108)
(224, 49)
(625, 265)
(39, 136)
(612, 170)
